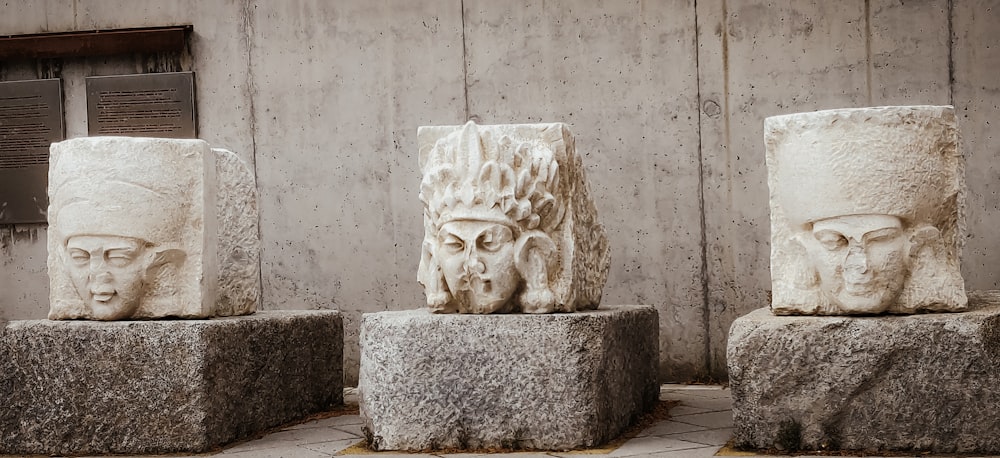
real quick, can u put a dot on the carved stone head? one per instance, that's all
(134, 225)
(866, 211)
(508, 222)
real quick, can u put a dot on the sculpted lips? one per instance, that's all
(103, 294)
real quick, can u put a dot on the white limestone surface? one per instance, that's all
(509, 224)
(866, 211)
(148, 227)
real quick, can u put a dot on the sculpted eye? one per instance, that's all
(79, 257)
(119, 258)
(882, 235)
(831, 240)
(453, 244)
(493, 240)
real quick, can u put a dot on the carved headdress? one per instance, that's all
(97, 187)
(473, 176)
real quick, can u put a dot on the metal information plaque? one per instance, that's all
(144, 105)
(31, 118)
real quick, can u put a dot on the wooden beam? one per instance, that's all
(94, 43)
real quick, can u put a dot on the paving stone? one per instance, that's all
(285, 451)
(651, 444)
(332, 447)
(722, 419)
(352, 429)
(311, 435)
(702, 452)
(670, 427)
(716, 437)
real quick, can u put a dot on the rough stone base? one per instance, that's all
(551, 382)
(912, 382)
(142, 387)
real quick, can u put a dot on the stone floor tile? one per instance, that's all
(669, 427)
(652, 444)
(263, 443)
(351, 429)
(493, 455)
(683, 387)
(331, 447)
(342, 420)
(711, 394)
(331, 421)
(701, 452)
(312, 435)
(683, 396)
(284, 451)
(714, 405)
(393, 455)
(683, 409)
(576, 454)
(716, 437)
(710, 420)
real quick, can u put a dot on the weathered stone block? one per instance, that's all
(509, 223)
(150, 228)
(866, 211)
(916, 383)
(553, 382)
(142, 387)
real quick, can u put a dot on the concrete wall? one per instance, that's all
(666, 99)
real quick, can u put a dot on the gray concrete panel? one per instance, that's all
(976, 86)
(219, 57)
(340, 89)
(760, 60)
(623, 76)
(909, 47)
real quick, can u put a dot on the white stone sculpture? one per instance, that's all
(509, 225)
(148, 227)
(866, 211)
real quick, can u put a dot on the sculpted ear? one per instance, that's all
(531, 254)
(921, 237)
(429, 274)
(171, 256)
(804, 275)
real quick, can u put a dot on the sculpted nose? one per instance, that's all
(857, 260)
(473, 264)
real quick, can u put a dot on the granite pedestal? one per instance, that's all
(144, 387)
(551, 382)
(908, 382)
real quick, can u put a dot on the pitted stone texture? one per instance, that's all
(149, 228)
(509, 223)
(913, 382)
(145, 387)
(901, 163)
(238, 249)
(552, 382)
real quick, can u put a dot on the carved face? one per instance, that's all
(107, 272)
(861, 260)
(477, 260)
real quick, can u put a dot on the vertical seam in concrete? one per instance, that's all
(252, 119)
(951, 50)
(701, 200)
(868, 51)
(465, 64)
(729, 181)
